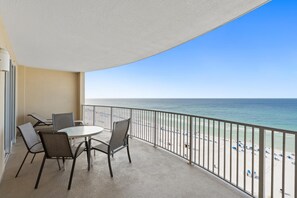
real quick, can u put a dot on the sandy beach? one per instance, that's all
(248, 175)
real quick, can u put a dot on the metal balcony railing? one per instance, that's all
(258, 160)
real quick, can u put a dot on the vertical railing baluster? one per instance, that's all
(272, 164)
(175, 133)
(94, 115)
(143, 124)
(213, 145)
(83, 114)
(191, 141)
(231, 126)
(237, 154)
(195, 141)
(253, 158)
(284, 166)
(136, 123)
(219, 141)
(261, 163)
(180, 144)
(161, 128)
(244, 159)
(171, 132)
(146, 126)
(295, 190)
(131, 123)
(184, 121)
(199, 142)
(208, 145)
(203, 142)
(155, 129)
(165, 130)
(224, 150)
(110, 118)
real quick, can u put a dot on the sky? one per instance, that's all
(254, 56)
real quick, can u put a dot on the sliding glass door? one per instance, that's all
(9, 110)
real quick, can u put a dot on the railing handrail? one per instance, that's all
(203, 117)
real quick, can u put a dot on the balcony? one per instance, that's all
(153, 173)
(173, 155)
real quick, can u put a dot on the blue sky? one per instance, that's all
(254, 56)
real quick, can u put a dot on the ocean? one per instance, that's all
(276, 113)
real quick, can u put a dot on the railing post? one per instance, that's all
(83, 114)
(110, 118)
(191, 141)
(295, 190)
(261, 163)
(155, 129)
(94, 115)
(131, 123)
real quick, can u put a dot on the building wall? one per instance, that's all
(45, 92)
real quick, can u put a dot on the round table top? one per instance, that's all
(82, 131)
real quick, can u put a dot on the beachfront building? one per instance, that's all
(50, 44)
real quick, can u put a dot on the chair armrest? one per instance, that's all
(78, 123)
(99, 141)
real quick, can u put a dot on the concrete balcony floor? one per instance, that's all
(152, 173)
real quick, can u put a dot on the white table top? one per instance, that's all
(82, 131)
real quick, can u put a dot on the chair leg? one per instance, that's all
(109, 165)
(33, 158)
(88, 154)
(71, 174)
(22, 164)
(128, 153)
(40, 172)
(58, 163)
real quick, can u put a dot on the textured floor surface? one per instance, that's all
(152, 173)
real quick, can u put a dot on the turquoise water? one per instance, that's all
(276, 113)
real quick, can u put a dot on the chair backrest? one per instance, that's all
(56, 144)
(119, 134)
(62, 120)
(29, 135)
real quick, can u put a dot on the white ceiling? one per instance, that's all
(86, 35)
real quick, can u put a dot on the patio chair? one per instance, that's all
(32, 142)
(56, 145)
(62, 120)
(41, 121)
(118, 141)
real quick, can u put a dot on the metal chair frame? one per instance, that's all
(69, 155)
(21, 128)
(110, 151)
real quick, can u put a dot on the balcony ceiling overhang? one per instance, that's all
(79, 36)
